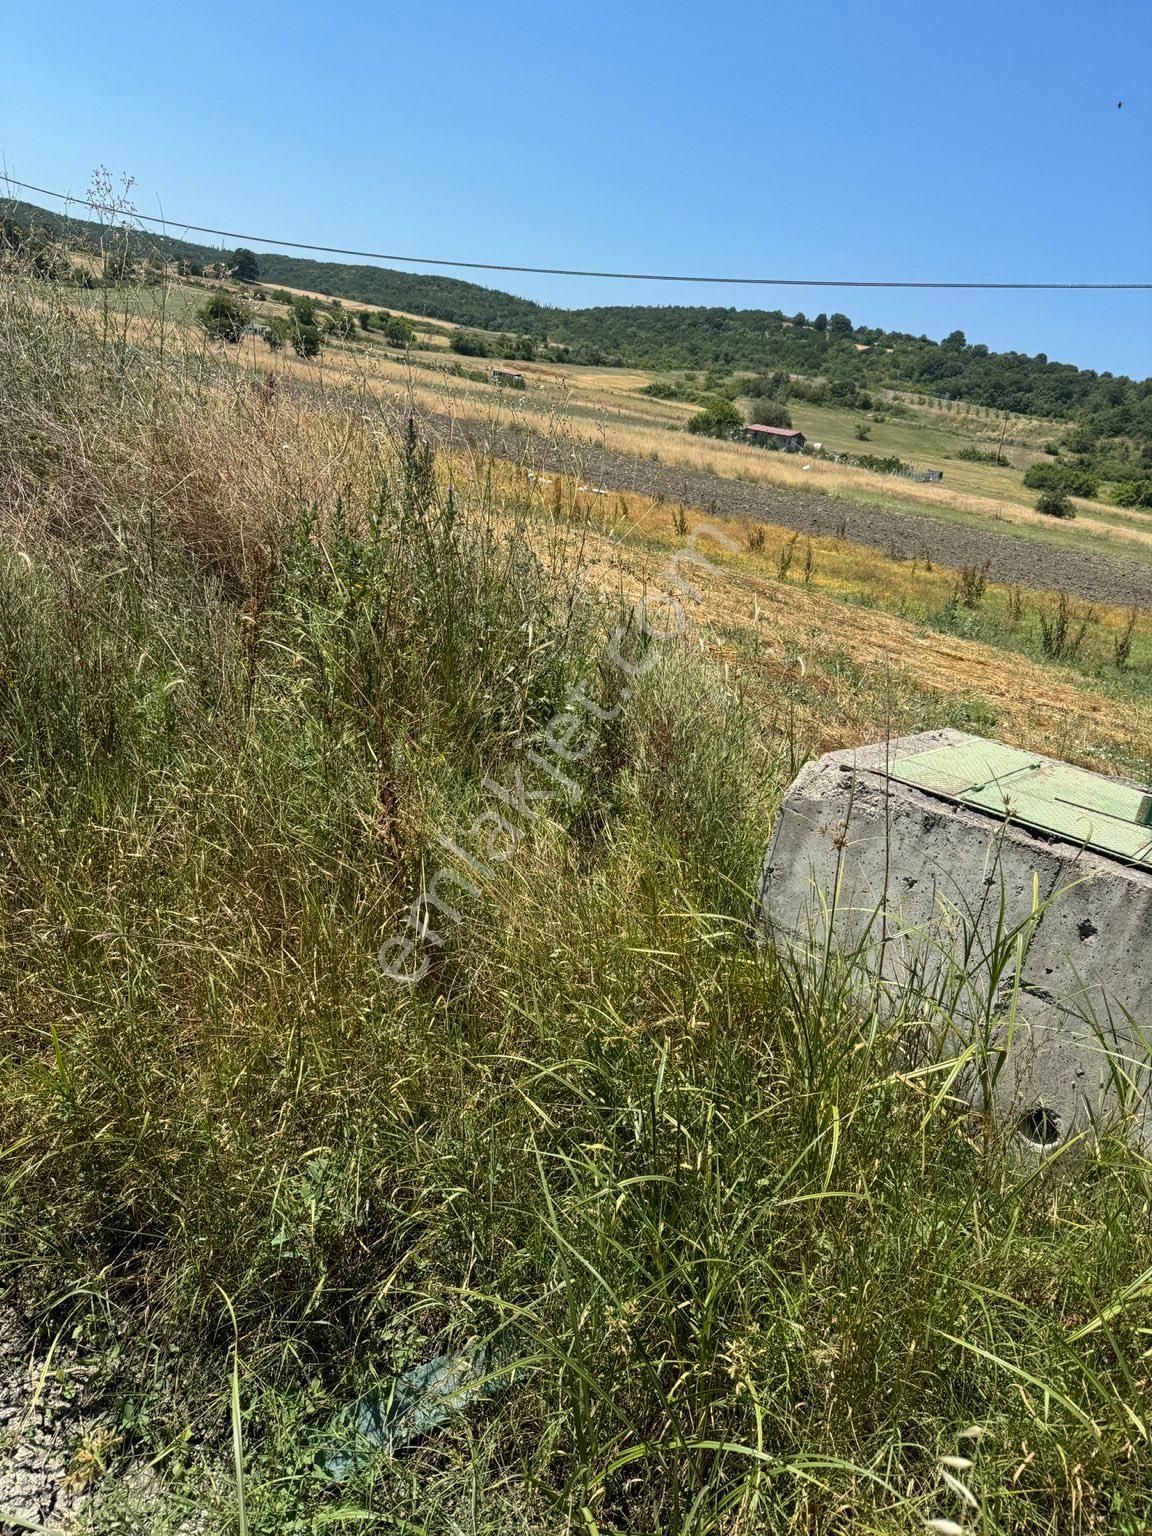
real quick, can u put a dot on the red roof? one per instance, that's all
(773, 431)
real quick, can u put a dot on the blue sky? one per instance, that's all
(900, 138)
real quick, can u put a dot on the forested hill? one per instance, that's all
(420, 293)
(679, 336)
(673, 337)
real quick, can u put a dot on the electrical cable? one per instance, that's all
(497, 266)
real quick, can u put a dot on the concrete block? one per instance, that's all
(934, 900)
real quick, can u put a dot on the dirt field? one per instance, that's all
(1012, 561)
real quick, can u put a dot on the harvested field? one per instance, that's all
(1013, 560)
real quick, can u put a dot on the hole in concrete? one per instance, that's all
(1087, 930)
(1039, 1127)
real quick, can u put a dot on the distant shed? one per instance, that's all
(508, 377)
(782, 438)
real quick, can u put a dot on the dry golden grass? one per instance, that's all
(781, 639)
(842, 568)
(393, 378)
(355, 304)
(641, 430)
(773, 634)
(225, 463)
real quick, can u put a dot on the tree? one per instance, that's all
(768, 386)
(1133, 493)
(306, 340)
(1069, 479)
(839, 326)
(719, 418)
(771, 413)
(468, 344)
(843, 391)
(224, 316)
(1055, 504)
(820, 323)
(399, 332)
(303, 309)
(245, 267)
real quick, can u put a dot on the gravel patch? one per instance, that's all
(54, 1414)
(36, 1435)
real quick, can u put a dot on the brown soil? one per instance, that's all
(902, 536)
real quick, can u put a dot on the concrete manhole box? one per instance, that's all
(1004, 890)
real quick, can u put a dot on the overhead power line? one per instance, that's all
(502, 266)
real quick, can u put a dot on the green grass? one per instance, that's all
(929, 441)
(747, 1271)
(1066, 535)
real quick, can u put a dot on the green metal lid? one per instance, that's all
(1066, 802)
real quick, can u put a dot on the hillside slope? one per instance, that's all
(678, 336)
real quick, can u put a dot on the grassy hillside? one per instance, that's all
(268, 671)
(1113, 434)
(615, 409)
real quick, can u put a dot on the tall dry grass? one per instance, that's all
(258, 660)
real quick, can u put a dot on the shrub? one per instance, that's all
(805, 389)
(1055, 504)
(1071, 479)
(306, 340)
(224, 316)
(1133, 493)
(673, 389)
(879, 464)
(469, 344)
(771, 413)
(719, 418)
(341, 323)
(981, 456)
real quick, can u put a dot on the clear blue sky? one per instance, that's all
(840, 138)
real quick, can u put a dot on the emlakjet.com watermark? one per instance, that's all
(540, 780)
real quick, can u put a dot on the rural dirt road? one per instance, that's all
(1012, 560)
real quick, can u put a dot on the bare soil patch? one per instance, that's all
(1012, 560)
